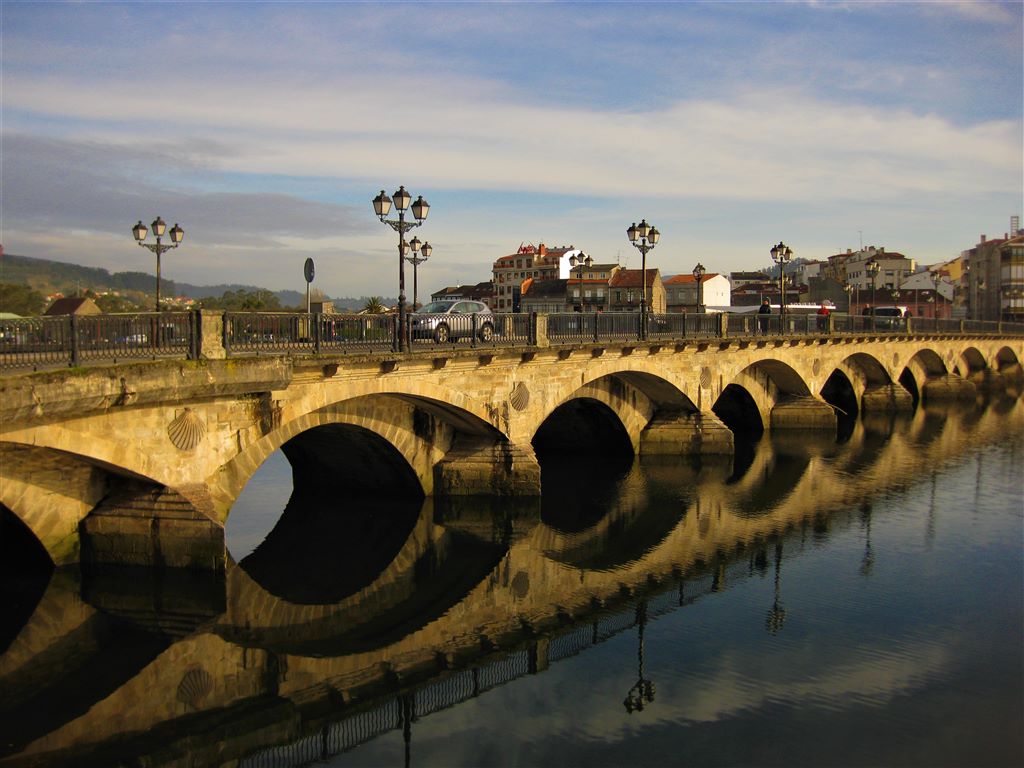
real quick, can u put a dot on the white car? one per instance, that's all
(445, 321)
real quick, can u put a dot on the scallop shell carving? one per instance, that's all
(194, 686)
(520, 396)
(705, 377)
(187, 430)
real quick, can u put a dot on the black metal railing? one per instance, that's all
(78, 339)
(72, 340)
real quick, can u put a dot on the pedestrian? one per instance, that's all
(763, 316)
(823, 313)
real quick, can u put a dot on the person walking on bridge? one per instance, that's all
(763, 316)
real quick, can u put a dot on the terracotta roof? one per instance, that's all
(681, 279)
(632, 278)
(71, 305)
(535, 289)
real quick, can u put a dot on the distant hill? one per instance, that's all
(49, 277)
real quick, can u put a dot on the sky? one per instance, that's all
(265, 129)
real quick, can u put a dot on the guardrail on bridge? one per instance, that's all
(74, 340)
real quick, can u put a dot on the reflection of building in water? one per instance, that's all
(324, 677)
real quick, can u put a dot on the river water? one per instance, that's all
(812, 602)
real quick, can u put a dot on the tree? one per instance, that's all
(374, 306)
(260, 300)
(110, 303)
(20, 300)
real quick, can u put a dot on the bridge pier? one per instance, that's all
(685, 433)
(803, 413)
(479, 465)
(887, 398)
(154, 527)
(948, 387)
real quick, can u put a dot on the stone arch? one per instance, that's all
(1006, 361)
(419, 430)
(924, 365)
(766, 383)
(634, 396)
(51, 491)
(971, 364)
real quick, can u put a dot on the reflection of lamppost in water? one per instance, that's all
(777, 615)
(868, 560)
(643, 691)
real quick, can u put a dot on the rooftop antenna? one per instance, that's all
(860, 233)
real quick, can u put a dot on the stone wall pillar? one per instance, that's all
(154, 527)
(211, 334)
(948, 387)
(886, 398)
(480, 465)
(803, 413)
(683, 434)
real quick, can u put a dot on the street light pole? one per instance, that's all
(873, 268)
(584, 260)
(782, 254)
(644, 237)
(381, 206)
(159, 226)
(414, 259)
(698, 275)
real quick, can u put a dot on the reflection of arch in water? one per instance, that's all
(328, 546)
(432, 572)
(627, 523)
(25, 569)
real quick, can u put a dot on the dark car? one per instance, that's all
(889, 318)
(445, 321)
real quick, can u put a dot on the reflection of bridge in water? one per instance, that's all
(169, 671)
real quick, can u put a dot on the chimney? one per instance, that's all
(542, 250)
(982, 239)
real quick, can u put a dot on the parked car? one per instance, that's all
(445, 321)
(889, 317)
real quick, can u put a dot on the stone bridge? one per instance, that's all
(257, 669)
(141, 463)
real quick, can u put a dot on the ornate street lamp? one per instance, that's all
(581, 261)
(159, 229)
(644, 237)
(872, 268)
(381, 206)
(698, 275)
(849, 307)
(937, 280)
(420, 253)
(782, 254)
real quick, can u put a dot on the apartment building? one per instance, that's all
(537, 262)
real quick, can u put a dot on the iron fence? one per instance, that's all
(71, 340)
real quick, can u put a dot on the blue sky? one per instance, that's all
(265, 130)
